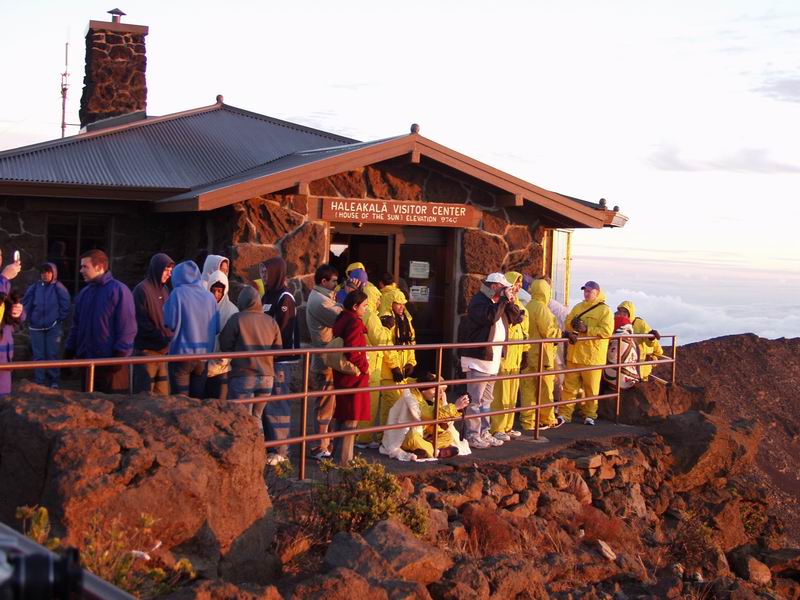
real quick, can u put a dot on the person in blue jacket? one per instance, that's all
(11, 315)
(47, 305)
(191, 314)
(104, 323)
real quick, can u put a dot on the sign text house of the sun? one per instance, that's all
(389, 212)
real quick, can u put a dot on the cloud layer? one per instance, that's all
(746, 160)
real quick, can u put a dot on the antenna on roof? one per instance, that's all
(64, 86)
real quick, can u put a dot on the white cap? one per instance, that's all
(498, 278)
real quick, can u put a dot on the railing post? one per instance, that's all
(130, 379)
(619, 377)
(90, 379)
(436, 400)
(674, 362)
(539, 382)
(304, 417)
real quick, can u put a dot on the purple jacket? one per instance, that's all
(6, 339)
(104, 323)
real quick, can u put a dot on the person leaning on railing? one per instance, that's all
(592, 317)
(649, 348)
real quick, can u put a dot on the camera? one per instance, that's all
(39, 575)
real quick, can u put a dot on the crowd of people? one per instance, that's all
(179, 309)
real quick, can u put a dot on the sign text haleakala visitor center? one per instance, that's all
(435, 214)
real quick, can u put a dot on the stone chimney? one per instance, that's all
(115, 82)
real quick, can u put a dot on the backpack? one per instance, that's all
(628, 353)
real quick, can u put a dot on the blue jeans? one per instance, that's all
(277, 415)
(481, 395)
(243, 387)
(46, 345)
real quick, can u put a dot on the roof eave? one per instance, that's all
(63, 190)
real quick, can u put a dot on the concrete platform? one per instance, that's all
(518, 450)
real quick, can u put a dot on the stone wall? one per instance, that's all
(115, 82)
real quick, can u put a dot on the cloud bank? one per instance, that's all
(746, 160)
(694, 322)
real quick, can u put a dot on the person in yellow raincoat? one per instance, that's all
(542, 325)
(398, 365)
(649, 349)
(377, 335)
(505, 392)
(373, 293)
(421, 444)
(592, 317)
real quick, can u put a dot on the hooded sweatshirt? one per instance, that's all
(279, 304)
(190, 312)
(104, 323)
(542, 325)
(250, 329)
(149, 297)
(647, 347)
(213, 261)
(225, 307)
(46, 304)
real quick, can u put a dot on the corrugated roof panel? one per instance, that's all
(181, 151)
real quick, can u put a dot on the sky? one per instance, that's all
(684, 114)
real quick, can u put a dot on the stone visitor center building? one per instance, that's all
(224, 180)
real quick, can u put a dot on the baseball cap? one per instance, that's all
(590, 285)
(499, 278)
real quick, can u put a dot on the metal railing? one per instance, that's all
(92, 364)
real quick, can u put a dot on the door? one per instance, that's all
(425, 272)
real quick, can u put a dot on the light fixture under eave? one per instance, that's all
(338, 249)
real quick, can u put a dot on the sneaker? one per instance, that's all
(543, 427)
(363, 446)
(490, 439)
(374, 445)
(273, 458)
(514, 433)
(588, 421)
(559, 422)
(320, 454)
(502, 436)
(477, 442)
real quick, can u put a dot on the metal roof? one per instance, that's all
(180, 151)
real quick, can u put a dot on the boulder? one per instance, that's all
(750, 568)
(220, 590)
(195, 466)
(650, 401)
(706, 446)
(784, 561)
(339, 584)
(509, 577)
(560, 507)
(351, 551)
(464, 581)
(397, 589)
(411, 558)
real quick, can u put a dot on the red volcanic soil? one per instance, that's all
(749, 377)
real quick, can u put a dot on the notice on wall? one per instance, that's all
(419, 293)
(392, 212)
(418, 269)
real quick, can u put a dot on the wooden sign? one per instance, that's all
(391, 212)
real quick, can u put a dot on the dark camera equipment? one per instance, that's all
(40, 576)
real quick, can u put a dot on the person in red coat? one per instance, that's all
(352, 408)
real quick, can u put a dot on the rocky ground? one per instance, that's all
(696, 502)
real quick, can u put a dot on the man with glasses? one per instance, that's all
(321, 313)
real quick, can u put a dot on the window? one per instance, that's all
(69, 236)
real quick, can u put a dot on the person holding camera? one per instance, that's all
(11, 315)
(491, 312)
(590, 318)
